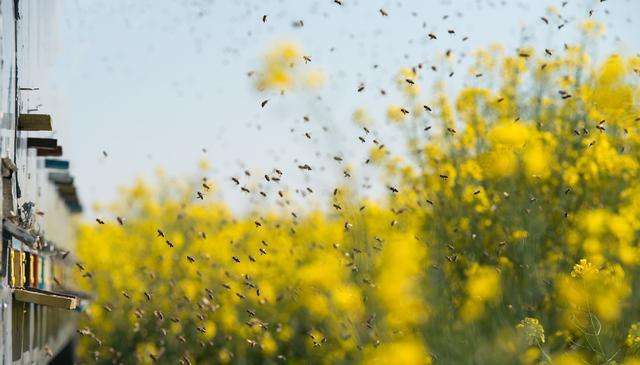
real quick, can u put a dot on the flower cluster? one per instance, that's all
(532, 330)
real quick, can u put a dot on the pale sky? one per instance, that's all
(152, 82)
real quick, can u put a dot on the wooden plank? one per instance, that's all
(18, 232)
(17, 268)
(77, 293)
(42, 143)
(56, 164)
(42, 297)
(50, 152)
(67, 189)
(60, 178)
(74, 207)
(34, 122)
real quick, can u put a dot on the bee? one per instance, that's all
(383, 12)
(158, 314)
(100, 221)
(263, 103)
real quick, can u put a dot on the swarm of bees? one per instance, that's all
(245, 287)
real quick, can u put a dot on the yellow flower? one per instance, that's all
(519, 234)
(395, 113)
(633, 336)
(509, 134)
(592, 28)
(532, 330)
(483, 283)
(583, 269)
(361, 117)
(315, 79)
(409, 352)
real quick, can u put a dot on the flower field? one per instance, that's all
(508, 233)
